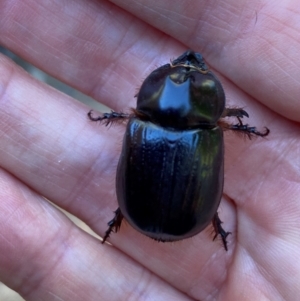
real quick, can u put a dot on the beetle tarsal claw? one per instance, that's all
(235, 112)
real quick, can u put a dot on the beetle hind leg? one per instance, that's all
(113, 225)
(219, 230)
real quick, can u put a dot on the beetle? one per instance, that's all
(170, 174)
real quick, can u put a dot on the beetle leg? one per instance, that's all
(237, 112)
(248, 130)
(113, 225)
(219, 230)
(108, 118)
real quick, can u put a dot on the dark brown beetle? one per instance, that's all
(170, 175)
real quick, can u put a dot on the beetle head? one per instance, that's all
(191, 59)
(182, 95)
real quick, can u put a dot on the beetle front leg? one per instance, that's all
(234, 112)
(219, 230)
(113, 225)
(248, 130)
(240, 127)
(109, 118)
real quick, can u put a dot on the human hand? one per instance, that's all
(50, 149)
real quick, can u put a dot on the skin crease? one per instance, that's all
(49, 148)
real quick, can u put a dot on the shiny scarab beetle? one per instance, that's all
(169, 179)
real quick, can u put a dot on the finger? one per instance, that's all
(48, 143)
(98, 48)
(255, 45)
(110, 75)
(44, 256)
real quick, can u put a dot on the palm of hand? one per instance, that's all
(49, 149)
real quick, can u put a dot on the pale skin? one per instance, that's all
(49, 148)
